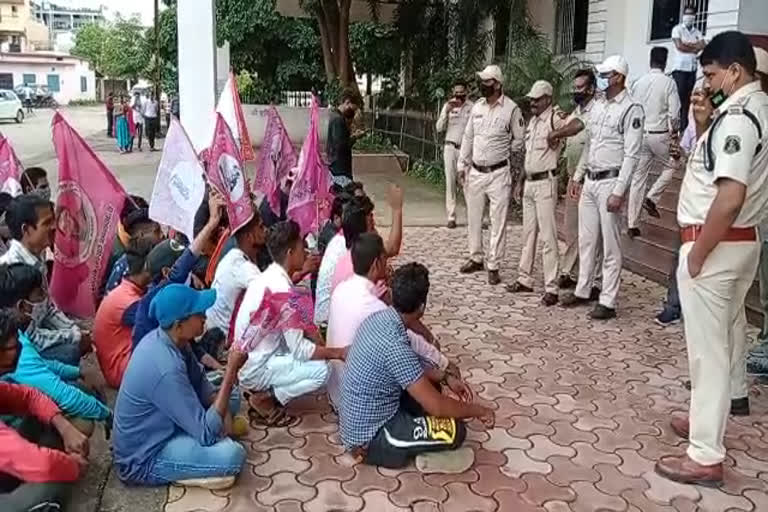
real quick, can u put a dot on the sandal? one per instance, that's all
(275, 416)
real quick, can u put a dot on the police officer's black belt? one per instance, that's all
(538, 176)
(603, 175)
(656, 132)
(490, 168)
(454, 144)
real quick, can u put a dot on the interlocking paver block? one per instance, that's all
(519, 463)
(195, 498)
(331, 497)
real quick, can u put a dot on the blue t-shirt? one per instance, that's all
(162, 394)
(380, 365)
(119, 271)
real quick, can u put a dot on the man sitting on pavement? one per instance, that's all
(287, 365)
(42, 459)
(391, 408)
(170, 425)
(138, 225)
(356, 299)
(31, 221)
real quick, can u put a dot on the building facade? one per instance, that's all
(67, 78)
(61, 21)
(19, 31)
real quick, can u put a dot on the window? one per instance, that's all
(29, 79)
(571, 26)
(666, 14)
(53, 83)
(14, 10)
(83, 84)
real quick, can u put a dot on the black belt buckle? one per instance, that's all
(538, 176)
(485, 169)
(656, 132)
(603, 175)
(454, 144)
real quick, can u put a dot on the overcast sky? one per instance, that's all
(144, 8)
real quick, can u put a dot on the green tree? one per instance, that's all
(89, 44)
(375, 50)
(117, 50)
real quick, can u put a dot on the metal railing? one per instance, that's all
(413, 132)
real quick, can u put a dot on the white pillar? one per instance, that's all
(222, 67)
(196, 24)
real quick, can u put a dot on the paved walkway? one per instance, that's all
(582, 411)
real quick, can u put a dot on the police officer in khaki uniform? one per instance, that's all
(453, 119)
(723, 199)
(615, 136)
(493, 134)
(540, 194)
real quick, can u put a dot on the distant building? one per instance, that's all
(19, 31)
(66, 77)
(62, 20)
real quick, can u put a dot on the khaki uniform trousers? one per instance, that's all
(655, 151)
(570, 257)
(496, 186)
(450, 159)
(595, 221)
(539, 202)
(715, 335)
(664, 179)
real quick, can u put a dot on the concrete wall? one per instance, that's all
(296, 120)
(753, 17)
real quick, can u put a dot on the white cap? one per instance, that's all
(540, 88)
(492, 72)
(762, 60)
(615, 63)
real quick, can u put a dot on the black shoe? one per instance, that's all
(594, 293)
(486, 224)
(668, 317)
(549, 299)
(740, 406)
(470, 267)
(451, 224)
(518, 287)
(565, 282)
(650, 207)
(572, 301)
(602, 313)
(493, 277)
(633, 232)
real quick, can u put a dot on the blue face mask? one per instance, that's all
(603, 83)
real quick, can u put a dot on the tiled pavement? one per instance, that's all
(582, 411)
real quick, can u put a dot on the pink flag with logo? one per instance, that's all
(277, 313)
(276, 158)
(225, 172)
(10, 169)
(87, 210)
(230, 107)
(309, 202)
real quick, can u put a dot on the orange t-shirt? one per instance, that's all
(112, 339)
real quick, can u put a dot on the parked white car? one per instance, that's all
(10, 106)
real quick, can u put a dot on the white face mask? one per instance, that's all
(688, 20)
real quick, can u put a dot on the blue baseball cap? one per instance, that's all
(178, 301)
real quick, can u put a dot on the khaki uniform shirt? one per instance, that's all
(575, 144)
(492, 134)
(734, 144)
(657, 93)
(539, 157)
(614, 139)
(452, 121)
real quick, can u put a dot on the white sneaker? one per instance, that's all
(213, 483)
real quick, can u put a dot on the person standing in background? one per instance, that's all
(138, 118)
(339, 141)
(453, 119)
(150, 112)
(110, 114)
(688, 43)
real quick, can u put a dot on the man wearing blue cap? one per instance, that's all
(169, 422)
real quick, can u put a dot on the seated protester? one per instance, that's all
(391, 407)
(235, 272)
(41, 459)
(354, 189)
(170, 425)
(288, 365)
(270, 217)
(34, 180)
(138, 225)
(356, 299)
(170, 263)
(332, 226)
(5, 233)
(20, 287)
(31, 221)
(122, 237)
(111, 329)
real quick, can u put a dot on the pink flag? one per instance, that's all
(10, 169)
(179, 185)
(225, 172)
(277, 313)
(276, 158)
(87, 210)
(309, 203)
(230, 107)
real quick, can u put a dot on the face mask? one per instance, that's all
(580, 98)
(487, 90)
(43, 193)
(603, 83)
(719, 96)
(688, 20)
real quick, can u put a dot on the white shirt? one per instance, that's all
(657, 93)
(685, 61)
(733, 145)
(352, 302)
(614, 139)
(150, 108)
(453, 121)
(492, 134)
(234, 274)
(276, 279)
(138, 107)
(335, 250)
